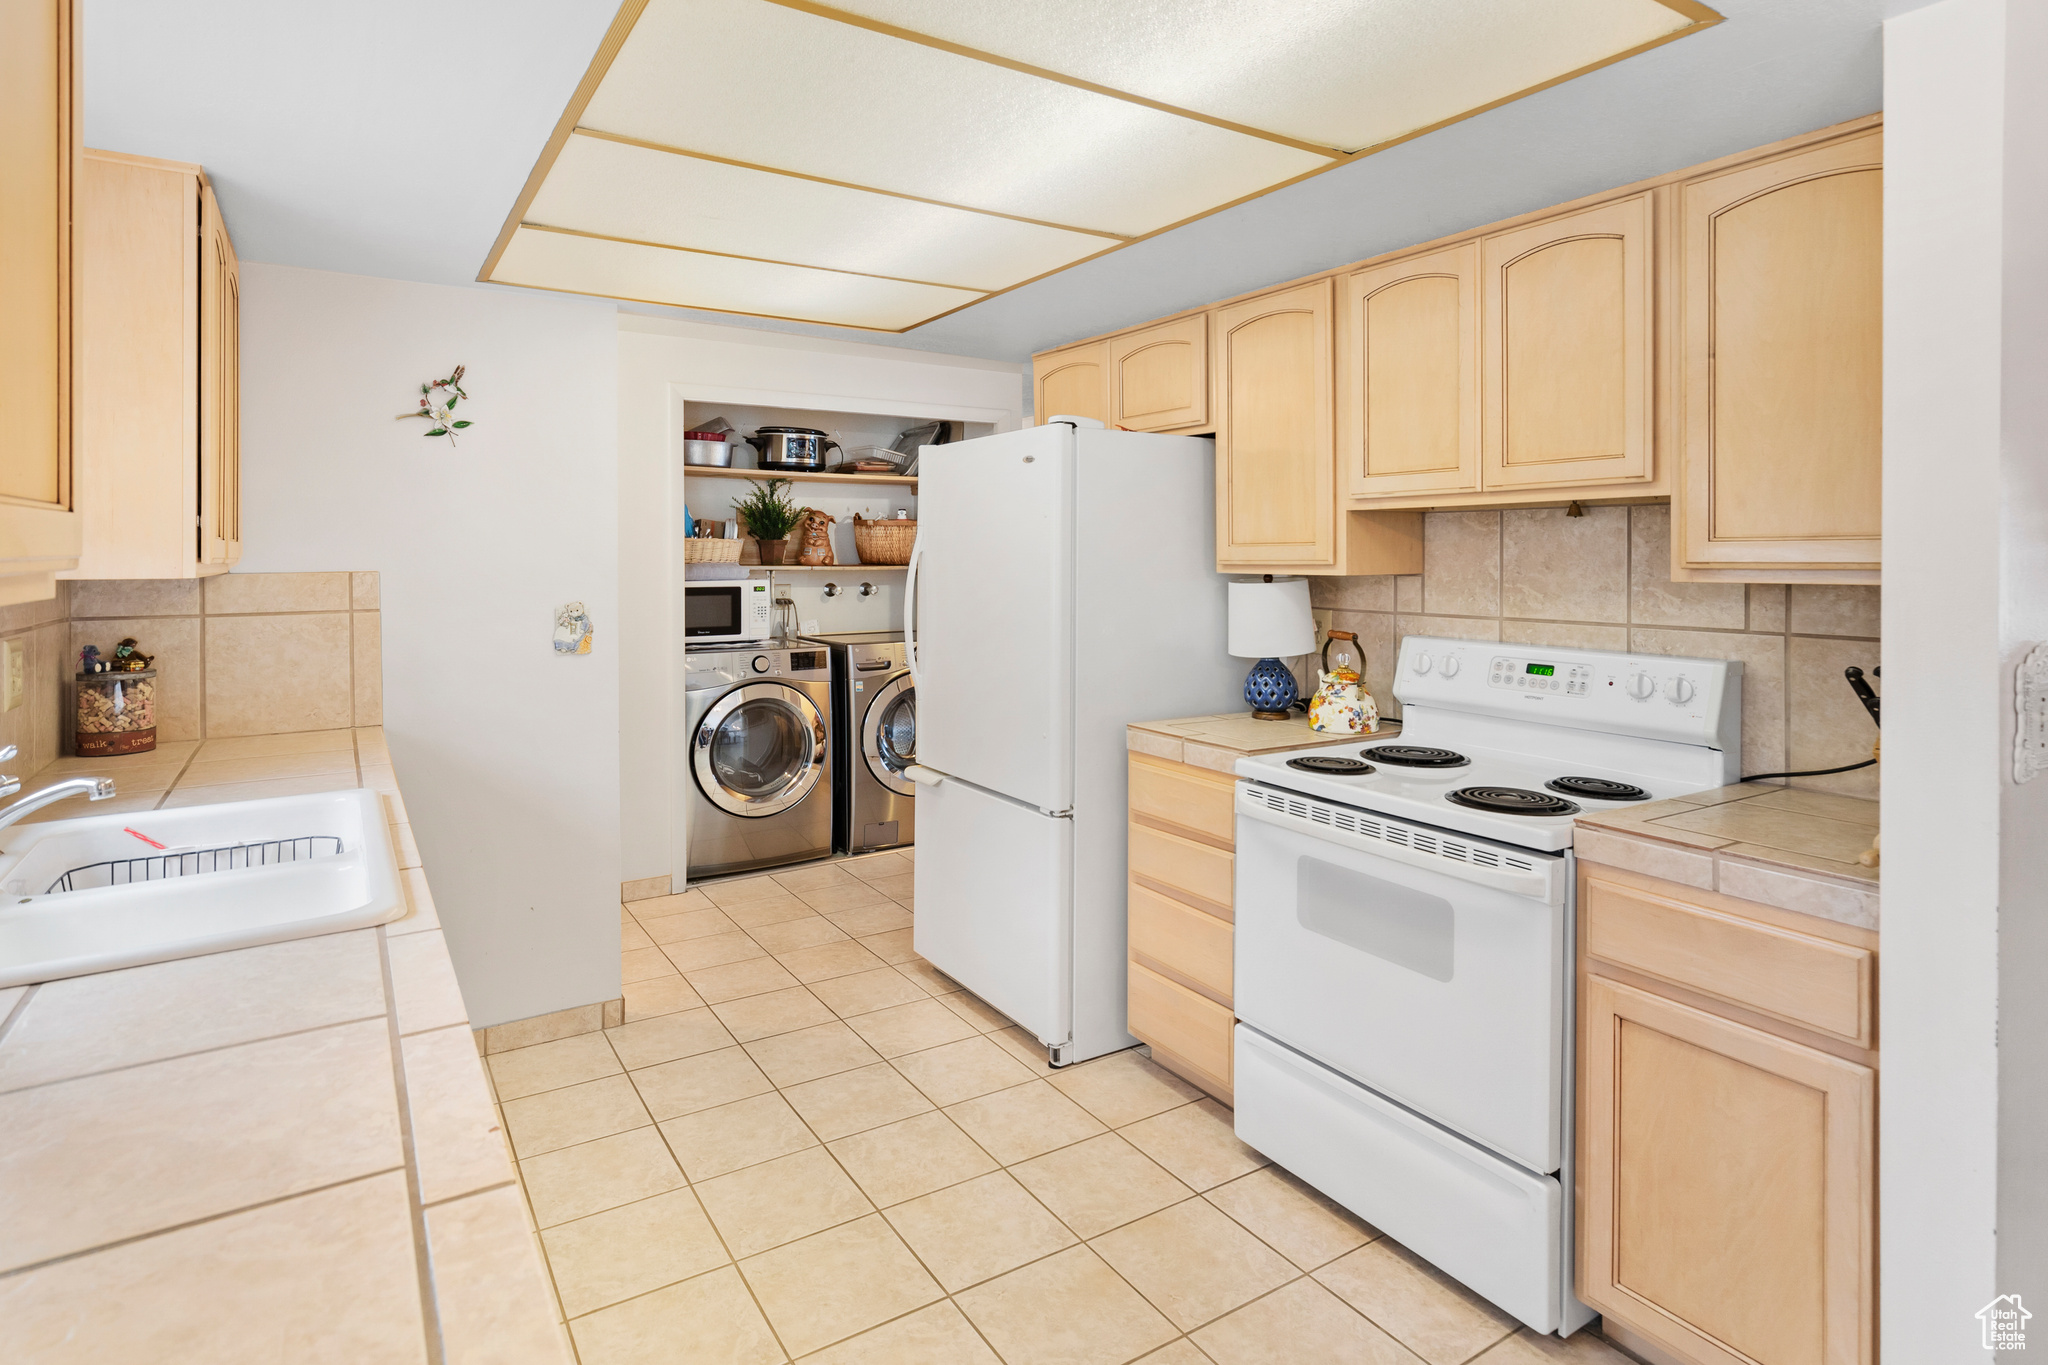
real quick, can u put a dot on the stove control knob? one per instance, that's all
(1449, 667)
(1678, 691)
(1641, 686)
(1422, 663)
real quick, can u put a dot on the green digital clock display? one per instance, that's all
(1543, 670)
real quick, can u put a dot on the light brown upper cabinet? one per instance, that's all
(1783, 301)
(1276, 444)
(159, 455)
(1711, 335)
(1159, 377)
(40, 88)
(1408, 399)
(220, 392)
(1073, 382)
(1569, 366)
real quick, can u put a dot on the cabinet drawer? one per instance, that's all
(1180, 940)
(1804, 980)
(1194, 1028)
(1199, 872)
(1198, 801)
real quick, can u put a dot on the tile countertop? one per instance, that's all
(1217, 742)
(1792, 849)
(279, 1153)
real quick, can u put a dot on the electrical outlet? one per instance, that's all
(13, 674)
(1324, 620)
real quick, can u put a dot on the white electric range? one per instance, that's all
(1404, 942)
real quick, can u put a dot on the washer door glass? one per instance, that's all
(889, 733)
(760, 750)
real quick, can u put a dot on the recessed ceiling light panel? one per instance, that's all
(879, 163)
(796, 92)
(690, 279)
(1345, 74)
(620, 190)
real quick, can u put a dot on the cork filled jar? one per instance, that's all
(116, 713)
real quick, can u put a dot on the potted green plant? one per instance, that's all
(770, 516)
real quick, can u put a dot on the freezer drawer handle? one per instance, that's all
(923, 776)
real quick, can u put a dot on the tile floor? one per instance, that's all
(807, 1143)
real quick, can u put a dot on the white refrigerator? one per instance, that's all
(1063, 585)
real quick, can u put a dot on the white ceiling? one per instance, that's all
(389, 140)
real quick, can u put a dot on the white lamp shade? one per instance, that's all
(1271, 620)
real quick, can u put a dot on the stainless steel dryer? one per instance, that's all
(759, 730)
(875, 714)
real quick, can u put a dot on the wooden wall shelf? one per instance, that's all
(714, 472)
(829, 568)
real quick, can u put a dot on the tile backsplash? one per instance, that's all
(238, 654)
(42, 630)
(1602, 581)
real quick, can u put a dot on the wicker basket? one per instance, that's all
(883, 541)
(712, 551)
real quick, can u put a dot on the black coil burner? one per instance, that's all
(1416, 756)
(1512, 801)
(1331, 764)
(1597, 789)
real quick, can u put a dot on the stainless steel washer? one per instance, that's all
(875, 712)
(760, 741)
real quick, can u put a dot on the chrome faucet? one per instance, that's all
(96, 788)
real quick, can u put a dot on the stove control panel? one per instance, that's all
(1686, 700)
(1526, 675)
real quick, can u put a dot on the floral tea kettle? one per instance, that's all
(1341, 705)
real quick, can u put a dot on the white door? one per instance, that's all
(1425, 965)
(991, 631)
(995, 902)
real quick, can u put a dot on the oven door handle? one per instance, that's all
(1545, 879)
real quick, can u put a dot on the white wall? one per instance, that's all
(1965, 869)
(2023, 540)
(664, 364)
(508, 753)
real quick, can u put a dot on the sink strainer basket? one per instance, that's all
(193, 862)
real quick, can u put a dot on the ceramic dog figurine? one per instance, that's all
(815, 533)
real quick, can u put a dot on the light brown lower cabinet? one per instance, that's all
(1726, 1155)
(1181, 862)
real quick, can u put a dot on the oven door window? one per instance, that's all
(1402, 925)
(711, 611)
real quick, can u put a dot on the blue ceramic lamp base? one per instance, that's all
(1269, 690)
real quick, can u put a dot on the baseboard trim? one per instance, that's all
(645, 888)
(552, 1027)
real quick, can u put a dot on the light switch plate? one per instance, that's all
(13, 673)
(2030, 702)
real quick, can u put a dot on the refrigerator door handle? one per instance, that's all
(923, 776)
(910, 607)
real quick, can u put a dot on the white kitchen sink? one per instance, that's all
(107, 891)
